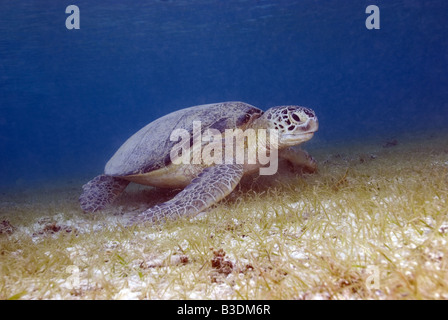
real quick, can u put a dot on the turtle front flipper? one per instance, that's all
(212, 185)
(100, 191)
(299, 159)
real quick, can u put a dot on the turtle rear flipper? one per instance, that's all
(211, 186)
(100, 191)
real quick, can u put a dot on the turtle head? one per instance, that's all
(295, 124)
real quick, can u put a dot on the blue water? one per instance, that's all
(70, 98)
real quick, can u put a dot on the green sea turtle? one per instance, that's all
(147, 156)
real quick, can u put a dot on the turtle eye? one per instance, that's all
(296, 117)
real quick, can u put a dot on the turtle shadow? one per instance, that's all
(139, 198)
(259, 184)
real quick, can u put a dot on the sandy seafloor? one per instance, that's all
(380, 205)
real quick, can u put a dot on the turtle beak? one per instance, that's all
(301, 134)
(292, 139)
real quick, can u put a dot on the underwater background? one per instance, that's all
(70, 98)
